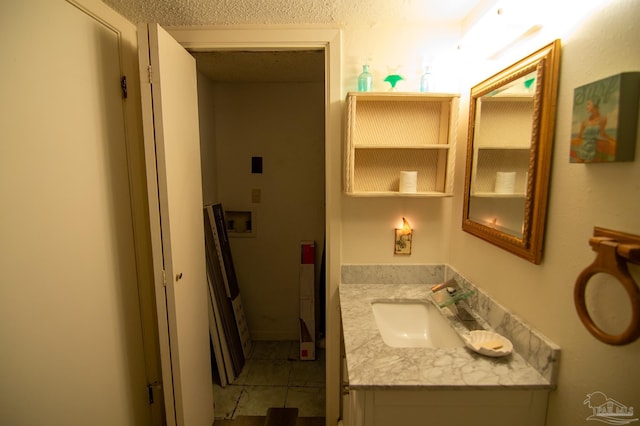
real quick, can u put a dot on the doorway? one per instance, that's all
(330, 41)
(262, 133)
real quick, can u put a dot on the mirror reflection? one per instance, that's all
(502, 140)
(511, 122)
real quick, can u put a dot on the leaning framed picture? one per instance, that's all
(605, 119)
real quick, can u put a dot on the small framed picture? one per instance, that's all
(403, 242)
(605, 119)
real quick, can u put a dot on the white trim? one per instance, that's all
(148, 129)
(330, 40)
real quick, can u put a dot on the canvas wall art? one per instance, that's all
(605, 119)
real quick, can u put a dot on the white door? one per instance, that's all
(170, 119)
(70, 333)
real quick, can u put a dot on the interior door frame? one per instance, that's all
(330, 41)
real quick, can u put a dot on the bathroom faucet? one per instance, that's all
(452, 283)
(453, 298)
(453, 290)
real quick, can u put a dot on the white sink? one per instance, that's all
(412, 324)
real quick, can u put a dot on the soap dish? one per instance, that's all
(488, 343)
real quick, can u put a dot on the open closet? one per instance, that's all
(262, 141)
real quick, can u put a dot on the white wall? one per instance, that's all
(389, 49)
(581, 197)
(368, 223)
(206, 112)
(284, 124)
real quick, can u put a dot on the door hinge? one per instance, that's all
(152, 389)
(123, 86)
(149, 73)
(164, 278)
(150, 393)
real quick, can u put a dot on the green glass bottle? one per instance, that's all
(425, 80)
(365, 80)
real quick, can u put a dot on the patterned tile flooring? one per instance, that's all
(274, 376)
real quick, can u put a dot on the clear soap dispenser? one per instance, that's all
(425, 80)
(365, 80)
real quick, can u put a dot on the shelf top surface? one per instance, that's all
(503, 147)
(498, 195)
(396, 147)
(511, 98)
(398, 194)
(402, 96)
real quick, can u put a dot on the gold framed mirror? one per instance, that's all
(510, 142)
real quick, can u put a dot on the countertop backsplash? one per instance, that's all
(393, 274)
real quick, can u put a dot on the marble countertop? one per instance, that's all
(372, 364)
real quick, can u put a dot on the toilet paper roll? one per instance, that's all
(505, 183)
(408, 181)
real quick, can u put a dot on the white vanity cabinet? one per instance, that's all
(391, 132)
(452, 407)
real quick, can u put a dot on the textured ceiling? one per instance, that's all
(341, 12)
(283, 65)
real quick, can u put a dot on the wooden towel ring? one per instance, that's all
(612, 257)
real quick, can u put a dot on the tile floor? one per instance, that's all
(273, 376)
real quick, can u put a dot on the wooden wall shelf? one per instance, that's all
(391, 132)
